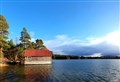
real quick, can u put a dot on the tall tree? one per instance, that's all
(11, 43)
(40, 44)
(25, 38)
(14, 52)
(3, 33)
(34, 45)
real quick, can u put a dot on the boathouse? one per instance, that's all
(38, 57)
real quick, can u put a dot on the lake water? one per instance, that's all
(99, 70)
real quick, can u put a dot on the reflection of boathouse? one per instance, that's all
(27, 73)
(38, 57)
(37, 73)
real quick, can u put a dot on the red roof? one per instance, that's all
(38, 53)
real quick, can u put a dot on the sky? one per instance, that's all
(75, 27)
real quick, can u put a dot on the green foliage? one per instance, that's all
(3, 27)
(3, 31)
(30, 46)
(12, 52)
(3, 34)
(10, 43)
(27, 44)
(34, 45)
(25, 38)
(15, 52)
(40, 44)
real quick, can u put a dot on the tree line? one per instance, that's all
(14, 52)
(58, 56)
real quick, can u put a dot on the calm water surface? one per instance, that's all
(64, 71)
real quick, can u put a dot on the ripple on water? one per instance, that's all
(65, 71)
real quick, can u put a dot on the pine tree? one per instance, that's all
(40, 44)
(11, 43)
(3, 33)
(25, 38)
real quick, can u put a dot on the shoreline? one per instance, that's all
(3, 64)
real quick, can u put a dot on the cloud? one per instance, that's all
(33, 39)
(111, 38)
(96, 55)
(106, 45)
(32, 34)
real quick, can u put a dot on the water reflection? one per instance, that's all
(64, 71)
(39, 73)
(28, 73)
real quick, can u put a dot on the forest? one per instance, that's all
(14, 52)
